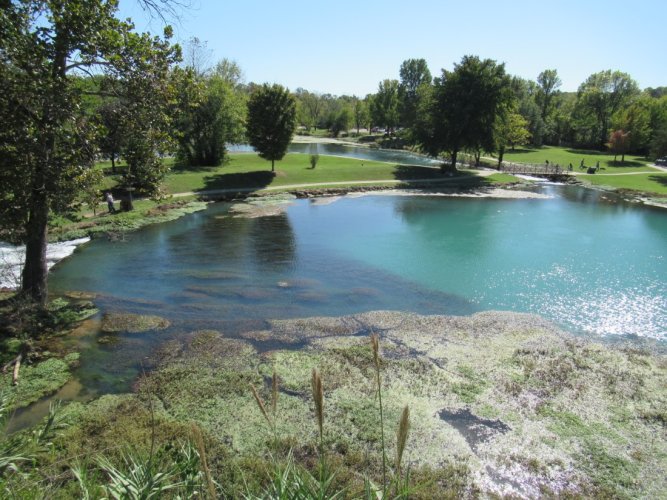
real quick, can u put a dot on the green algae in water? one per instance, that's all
(36, 381)
(132, 323)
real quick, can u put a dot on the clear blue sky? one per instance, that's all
(348, 47)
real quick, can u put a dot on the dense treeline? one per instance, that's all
(608, 111)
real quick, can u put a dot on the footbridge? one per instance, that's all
(538, 170)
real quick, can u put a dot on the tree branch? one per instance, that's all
(81, 65)
(164, 9)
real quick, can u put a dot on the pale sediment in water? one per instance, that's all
(524, 408)
(262, 206)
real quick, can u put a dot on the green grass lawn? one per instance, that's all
(565, 156)
(654, 182)
(247, 170)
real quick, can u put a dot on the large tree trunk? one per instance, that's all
(33, 279)
(501, 153)
(35, 271)
(452, 166)
(273, 164)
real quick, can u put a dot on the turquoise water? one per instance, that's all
(582, 259)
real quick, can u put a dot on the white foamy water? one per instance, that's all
(12, 257)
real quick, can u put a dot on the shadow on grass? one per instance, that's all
(250, 181)
(523, 151)
(414, 173)
(181, 169)
(660, 179)
(587, 152)
(626, 163)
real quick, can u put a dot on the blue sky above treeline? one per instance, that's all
(348, 47)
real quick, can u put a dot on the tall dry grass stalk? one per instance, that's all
(199, 442)
(260, 403)
(318, 398)
(272, 419)
(402, 438)
(375, 345)
(274, 395)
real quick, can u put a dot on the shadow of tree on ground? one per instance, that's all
(660, 179)
(252, 181)
(414, 173)
(411, 172)
(523, 151)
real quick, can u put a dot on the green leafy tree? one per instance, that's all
(341, 121)
(510, 129)
(360, 113)
(462, 108)
(210, 115)
(271, 121)
(548, 85)
(112, 137)
(525, 93)
(659, 144)
(46, 141)
(230, 72)
(413, 74)
(91, 194)
(311, 105)
(599, 97)
(635, 119)
(384, 106)
(658, 138)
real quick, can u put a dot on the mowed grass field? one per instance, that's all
(640, 176)
(565, 156)
(247, 170)
(250, 172)
(649, 183)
